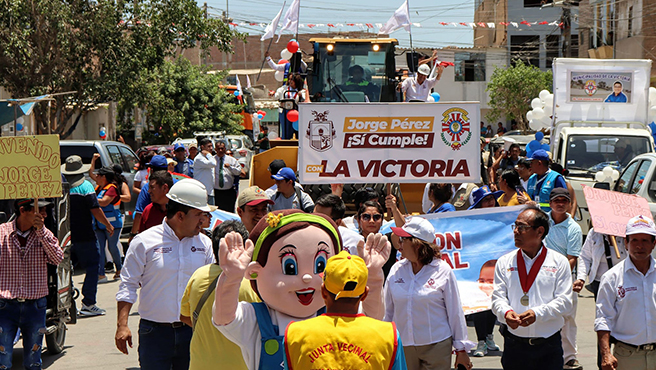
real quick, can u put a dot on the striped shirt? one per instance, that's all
(23, 271)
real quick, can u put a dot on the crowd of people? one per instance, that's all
(221, 297)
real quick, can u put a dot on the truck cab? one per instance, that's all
(353, 70)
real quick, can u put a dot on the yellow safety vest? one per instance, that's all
(333, 341)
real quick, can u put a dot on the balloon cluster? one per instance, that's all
(434, 97)
(536, 144)
(292, 116)
(608, 174)
(285, 55)
(540, 116)
(259, 115)
(102, 133)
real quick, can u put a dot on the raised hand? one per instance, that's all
(234, 256)
(375, 251)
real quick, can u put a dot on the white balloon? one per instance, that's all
(545, 121)
(599, 177)
(529, 115)
(430, 99)
(543, 94)
(608, 171)
(652, 111)
(615, 175)
(652, 94)
(548, 109)
(536, 103)
(273, 135)
(534, 125)
(285, 54)
(538, 113)
(548, 100)
(279, 75)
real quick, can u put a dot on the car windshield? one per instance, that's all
(591, 153)
(235, 143)
(351, 72)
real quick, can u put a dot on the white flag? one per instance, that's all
(401, 18)
(270, 29)
(241, 93)
(248, 82)
(291, 18)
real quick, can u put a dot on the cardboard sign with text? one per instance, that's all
(30, 167)
(610, 211)
(389, 142)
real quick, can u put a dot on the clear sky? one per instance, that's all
(427, 13)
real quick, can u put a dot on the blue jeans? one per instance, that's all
(85, 255)
(30, 317)
(163, 347)
(103, 238)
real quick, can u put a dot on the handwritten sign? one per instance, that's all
(30, 167)
(610, 210)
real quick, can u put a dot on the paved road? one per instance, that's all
(90, 342)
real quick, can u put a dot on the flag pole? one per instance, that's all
(412, 50)
(264, 60)
(298, 19)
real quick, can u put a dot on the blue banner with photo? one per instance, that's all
(471, 242)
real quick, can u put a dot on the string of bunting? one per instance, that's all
(444, 24)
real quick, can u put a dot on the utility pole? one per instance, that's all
(566, 20)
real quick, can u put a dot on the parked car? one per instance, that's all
(242, 149)
(639, 178)
(110, 152)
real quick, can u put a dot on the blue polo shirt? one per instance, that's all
(612, 98)
(565, 238)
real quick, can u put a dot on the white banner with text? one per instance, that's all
(389, 142)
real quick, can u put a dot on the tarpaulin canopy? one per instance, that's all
(11, 109)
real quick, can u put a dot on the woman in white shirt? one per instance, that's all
(421, 297)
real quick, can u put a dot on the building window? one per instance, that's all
(469, 66)
(575, 46)
(526, 49)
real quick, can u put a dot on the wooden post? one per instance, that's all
(388, 190)
(614, 243)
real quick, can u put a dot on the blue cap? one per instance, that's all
(158, 161)
(482, 192)
(285, 173)
(540, 155)
(179, 146)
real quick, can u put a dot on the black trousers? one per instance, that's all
(518, 355)
(225, 199)
(484, 324)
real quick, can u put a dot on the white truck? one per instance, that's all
(600, 118)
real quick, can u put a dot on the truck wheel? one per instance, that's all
(55, 340)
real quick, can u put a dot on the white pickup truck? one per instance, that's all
(600, 119)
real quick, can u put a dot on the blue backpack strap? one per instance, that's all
(271, 353)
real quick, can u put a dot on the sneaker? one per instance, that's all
(117, 275)
(572, 364)
(481, 349)
(489, 341)
(102, 279)
(109, 267)
(92, 310)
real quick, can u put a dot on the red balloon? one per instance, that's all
(283, 61)
(292, 115)
(292, 46)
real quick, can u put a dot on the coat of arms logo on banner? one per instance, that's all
(320, 131)
(456, 130)
(590, 87)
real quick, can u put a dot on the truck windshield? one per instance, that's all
(351, 72)
(594, 152)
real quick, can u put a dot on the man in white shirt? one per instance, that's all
(226, 172)
(531, 295)
(333, 206)
(204, 165)
(626, 303)
(160, 261)
(565, 237)
(418, 88)
(597, 257)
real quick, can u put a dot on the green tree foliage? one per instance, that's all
(511, 90)
(96, 48)
(183, 98)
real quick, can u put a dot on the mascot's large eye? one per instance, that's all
(289, 265)
(320, 262)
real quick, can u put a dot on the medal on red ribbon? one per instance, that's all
(527, 280)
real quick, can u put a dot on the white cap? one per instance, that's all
(189, 192)
(424, 70)
(640, 225)
(416, 227)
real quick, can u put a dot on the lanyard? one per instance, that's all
(527, 281)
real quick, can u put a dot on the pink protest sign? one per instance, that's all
(610, 210)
